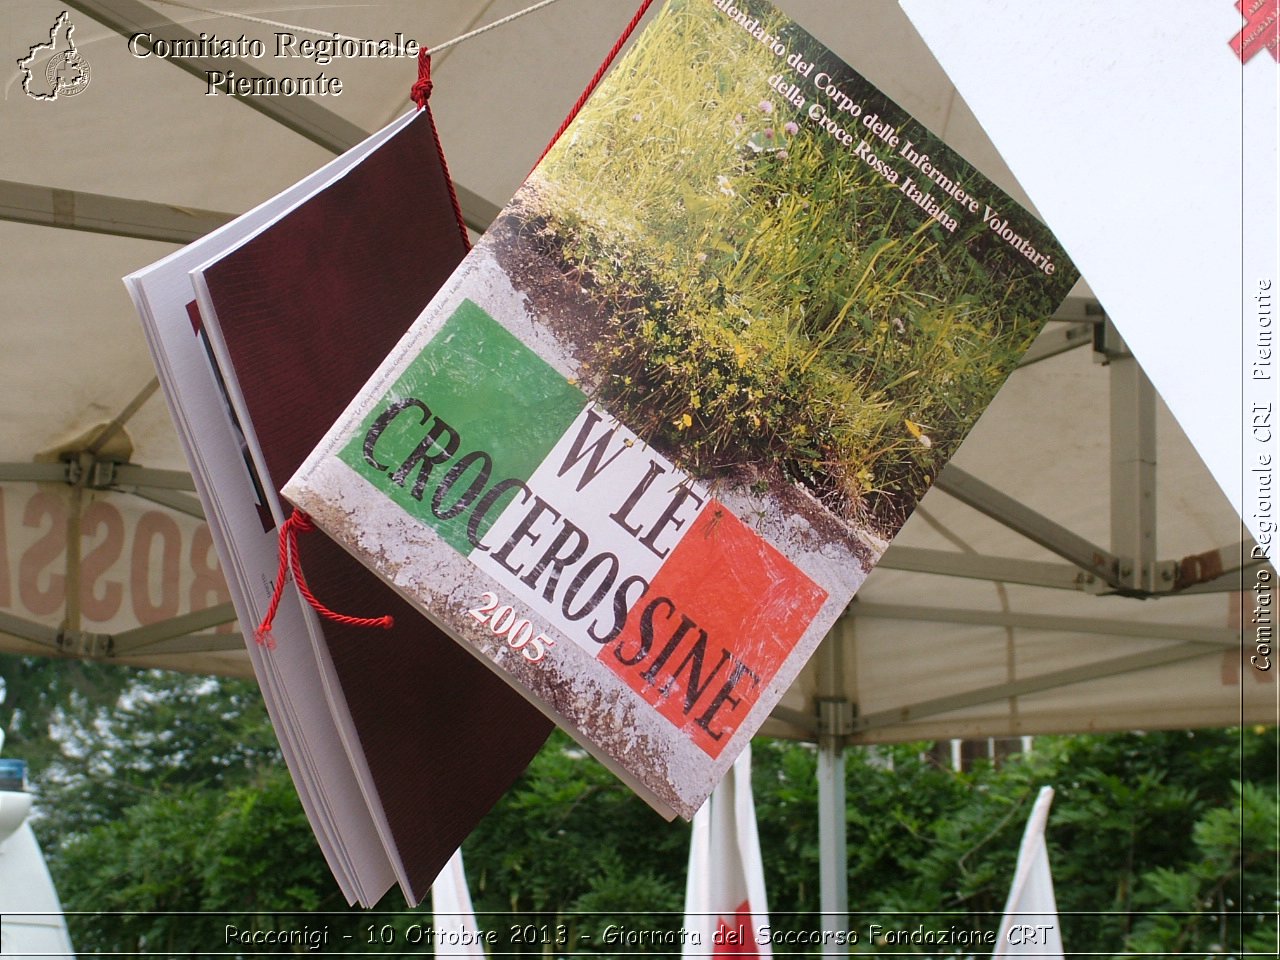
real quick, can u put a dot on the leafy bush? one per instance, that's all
(1160, 843)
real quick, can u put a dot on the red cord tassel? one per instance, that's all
(299, 522)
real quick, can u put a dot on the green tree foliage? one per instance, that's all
(169, 795)
(160, 732)
(245, 852)
(169, 798)
(568, 839)
(37, 692)
(1224, 896)
(1142, 824)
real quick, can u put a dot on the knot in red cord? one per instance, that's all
(421, 90)
(300, 522)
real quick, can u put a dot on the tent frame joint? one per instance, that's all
(84, 644)
(88, 472)
(836, 718)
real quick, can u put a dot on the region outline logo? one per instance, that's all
(66, 73)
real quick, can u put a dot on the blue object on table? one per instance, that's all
(13, 775)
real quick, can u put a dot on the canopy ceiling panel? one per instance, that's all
(925, 656)
(89, 460)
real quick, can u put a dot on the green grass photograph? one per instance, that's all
(751, 296)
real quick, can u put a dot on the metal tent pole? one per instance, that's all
(835, 723)
(1133, 468)
(832, 854)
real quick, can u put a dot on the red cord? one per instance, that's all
(299, 522)
(419, 94)
(604, 68)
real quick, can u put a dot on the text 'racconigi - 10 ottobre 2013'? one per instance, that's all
(286, 46)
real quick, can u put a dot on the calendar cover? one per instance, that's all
(642, 448)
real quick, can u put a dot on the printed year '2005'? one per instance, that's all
(502, 621)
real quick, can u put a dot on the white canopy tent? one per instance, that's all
(1042, 586)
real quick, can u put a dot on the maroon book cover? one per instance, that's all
(308, 309)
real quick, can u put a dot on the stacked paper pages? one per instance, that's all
(261, 331)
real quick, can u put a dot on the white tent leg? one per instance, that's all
(833, 867)
(835, 724)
